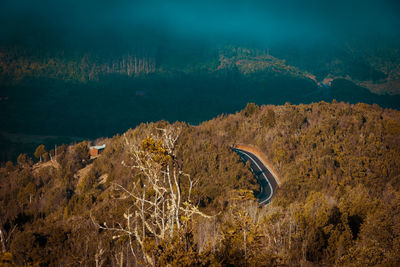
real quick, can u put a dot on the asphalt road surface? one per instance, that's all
(267, 181)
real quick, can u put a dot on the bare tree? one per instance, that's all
(5, 236)
(98, 256)
(160, 201)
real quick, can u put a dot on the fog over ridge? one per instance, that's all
(77, 22)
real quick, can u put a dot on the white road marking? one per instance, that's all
(272, 190)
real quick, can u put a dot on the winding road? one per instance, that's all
(267, 179)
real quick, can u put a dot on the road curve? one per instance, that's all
(265, 176)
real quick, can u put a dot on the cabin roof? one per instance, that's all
(98, 147)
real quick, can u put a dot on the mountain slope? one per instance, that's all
(338, 203)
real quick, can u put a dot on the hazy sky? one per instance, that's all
(73, 21)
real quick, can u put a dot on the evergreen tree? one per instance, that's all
(39, 152)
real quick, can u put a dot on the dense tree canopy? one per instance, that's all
(339, 202)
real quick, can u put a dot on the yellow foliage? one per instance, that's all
(156, 149)
(393, 127)
(6, 259)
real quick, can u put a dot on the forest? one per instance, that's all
(374, 66)
(54, 95)
(176, 194)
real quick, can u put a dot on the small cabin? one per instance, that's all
(96, 150)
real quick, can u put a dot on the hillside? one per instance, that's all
(57, 96)
(176, 194)
(373, 66)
